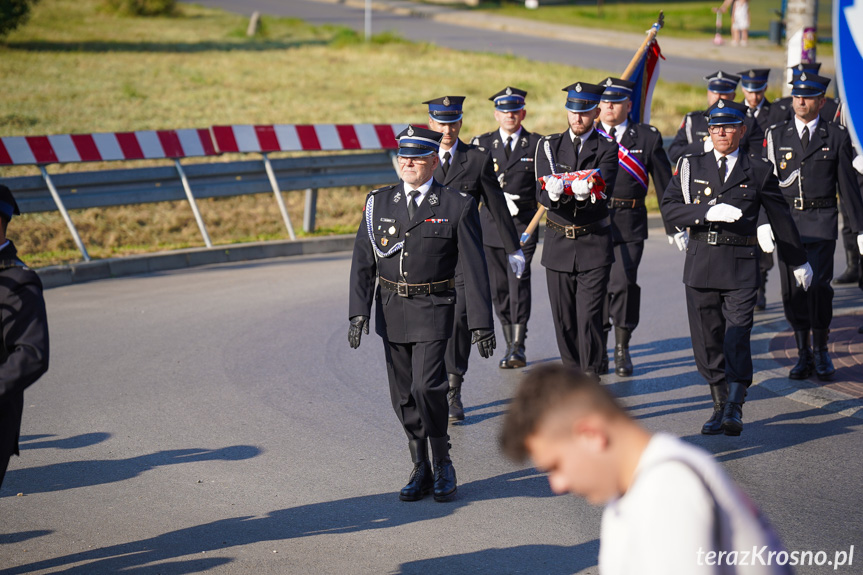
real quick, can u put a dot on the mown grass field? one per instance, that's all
(74, 69)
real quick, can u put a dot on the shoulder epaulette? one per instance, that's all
(383, 189)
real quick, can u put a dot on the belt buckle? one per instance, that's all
(402, 289)
(713, 238)
(798, 203)
(570, 232)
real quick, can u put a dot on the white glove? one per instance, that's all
(723, 213)
(860, 243)
(681, 239)
(516, 262)
(510, 203)
(765, 238)
(708, 145)
(803, 276)
(554, 187)
(858, 164)
(580, 190)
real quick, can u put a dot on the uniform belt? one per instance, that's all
(799, 203)
(626, 203)
(405, 289)
(715, 239)
(573, 232)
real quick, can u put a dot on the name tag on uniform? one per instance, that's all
(700, 181)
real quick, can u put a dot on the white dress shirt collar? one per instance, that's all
(423, 190)
(620, 129)
(451, 151)
(732, 160)
(583, 137)
(798, 123)
(515, 136)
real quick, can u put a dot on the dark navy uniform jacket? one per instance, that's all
(589, 251)
(24, 350)
(783, 109)
(519, 179)
(444, 230)
(764, 115)
(471, 172)
(750, 186)
(693, 132)
(645, 143)
(822, 170)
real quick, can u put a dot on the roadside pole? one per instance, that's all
(801, 36)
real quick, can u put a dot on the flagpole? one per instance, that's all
(651, 35)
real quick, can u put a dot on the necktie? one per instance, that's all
(613, 132)
(412, 203)
(723, 167)
(576, 144)
(804, 139)
(508, 149)
(445, 165)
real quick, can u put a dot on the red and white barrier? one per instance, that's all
(309, 137)
(142, 145)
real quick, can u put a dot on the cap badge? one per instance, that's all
(721, 104)
(608, 82)
(578, 87)
(719, 74)
(751, 73)
(446, 100)
(410, 130)
(508, 91)
(803, 77)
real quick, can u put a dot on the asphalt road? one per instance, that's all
(677, 69)
(215, 420)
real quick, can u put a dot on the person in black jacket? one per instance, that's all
(24, 353)
(577, 251)
(753, 84)
(512, 149)
(813, 159)
(412, 237)
(693, 137)
(720, 196)
(469, 170)
(640, 155)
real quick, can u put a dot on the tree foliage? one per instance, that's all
(13, 13)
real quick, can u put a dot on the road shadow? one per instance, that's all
(775, 434)
(76, 442)
(351, 515)
(74, 474)
(544, 559)
(20, 537)
(472, 418)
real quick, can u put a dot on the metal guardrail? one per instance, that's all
(131, 186)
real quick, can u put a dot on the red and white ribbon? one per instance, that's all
(308, 137)
(142, 145)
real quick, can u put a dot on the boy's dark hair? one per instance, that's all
(543, 389)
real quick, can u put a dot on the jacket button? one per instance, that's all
(697, 222)
(406, 254)
(407, 234)
(405, 274)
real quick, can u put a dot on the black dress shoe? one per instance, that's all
(622, 359)
(732, 416)
(444, 473)
(713, 426)
(420, 483)
(444, 480)
(805, 365)
(823, 364)
(516, 358)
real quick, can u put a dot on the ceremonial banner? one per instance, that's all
(645, 75)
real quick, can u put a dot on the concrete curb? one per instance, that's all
(75, 273)
(775, 378)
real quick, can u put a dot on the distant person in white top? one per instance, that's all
(739, 20)
(670, 509)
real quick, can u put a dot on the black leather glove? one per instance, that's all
(484, 340)
(359, 324)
